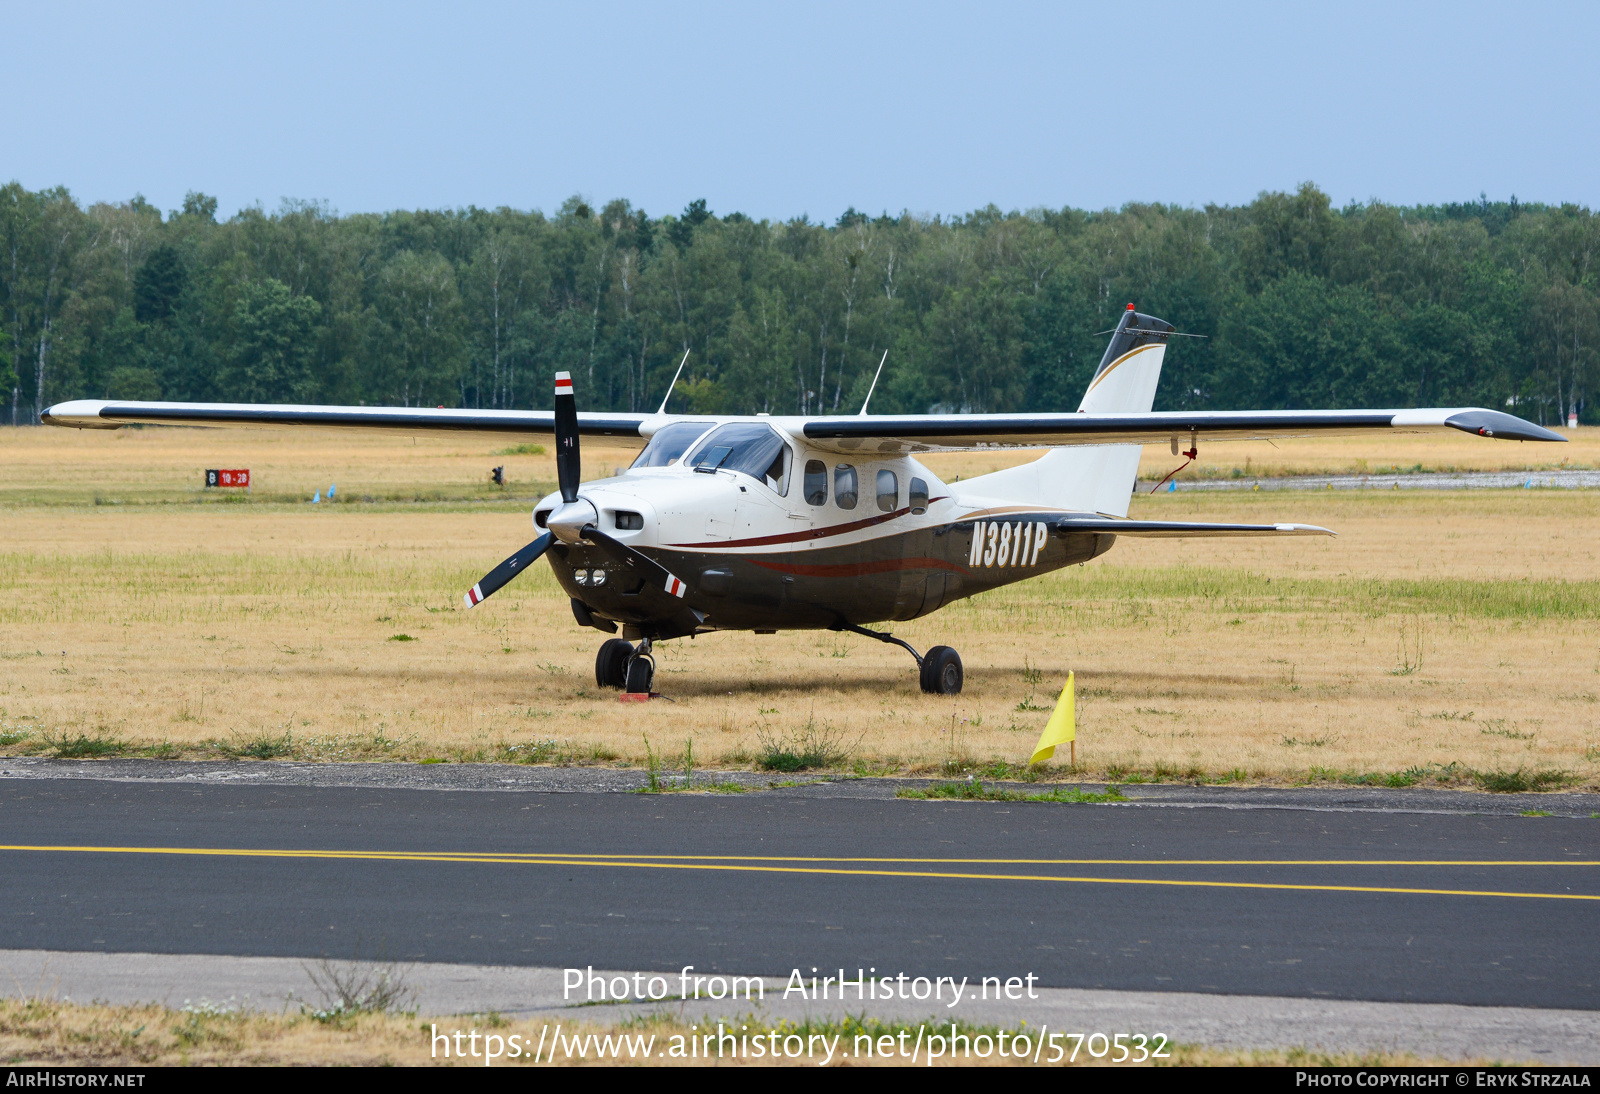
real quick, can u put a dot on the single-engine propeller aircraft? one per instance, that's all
(767, 523)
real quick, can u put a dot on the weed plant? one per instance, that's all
(813, 746)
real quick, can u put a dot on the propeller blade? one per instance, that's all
(497, 578)
(567, 467)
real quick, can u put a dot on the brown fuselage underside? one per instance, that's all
(896, 576)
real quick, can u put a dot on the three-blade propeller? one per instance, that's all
(569, 475)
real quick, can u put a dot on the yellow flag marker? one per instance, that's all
(1061, 728)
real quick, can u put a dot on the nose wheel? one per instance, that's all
(620, 665)
(641, 671)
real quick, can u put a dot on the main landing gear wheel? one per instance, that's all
(941, 671)
(940, 666)
(611, 663)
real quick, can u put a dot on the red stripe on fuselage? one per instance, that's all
(861, 569)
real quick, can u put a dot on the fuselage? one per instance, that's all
(767, 533)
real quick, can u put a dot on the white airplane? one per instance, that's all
(767, 523)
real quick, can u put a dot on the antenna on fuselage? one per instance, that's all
(874, 386)
(673, 386)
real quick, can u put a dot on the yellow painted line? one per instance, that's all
(620, 856)
(540, 856)
(656, 864)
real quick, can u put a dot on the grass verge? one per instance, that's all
(973, 790)
(49, 1032)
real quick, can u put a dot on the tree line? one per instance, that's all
(1301, 304)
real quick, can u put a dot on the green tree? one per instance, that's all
(421, 332)
(159, 285)
(1304, 304)
(1304, 342)
(8, 374)
(274, 346)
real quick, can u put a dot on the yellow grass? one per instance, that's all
(37, 1032)
(132, 466)
(1438, 629)
(1368, 455)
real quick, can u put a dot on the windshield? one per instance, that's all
(669, 443)
(748, 447)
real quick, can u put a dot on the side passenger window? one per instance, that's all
(919, 496)
(816, 482)
(888, 491)
(844, 486)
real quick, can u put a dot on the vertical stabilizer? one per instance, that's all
(1126, 380)
(1095, 478)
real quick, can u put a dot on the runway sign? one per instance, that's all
(232, 477)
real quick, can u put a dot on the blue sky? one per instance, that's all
(782, 109)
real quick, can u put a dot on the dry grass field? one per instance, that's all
(151, 466)
(1441, 636)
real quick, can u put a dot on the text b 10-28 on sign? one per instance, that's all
(231, 477)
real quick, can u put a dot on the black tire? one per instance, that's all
(941, 671)
(611, 663)
(641, 670)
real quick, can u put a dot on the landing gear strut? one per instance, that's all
(940, 667)
(620, 665)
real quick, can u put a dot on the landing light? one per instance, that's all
(581, 576)
(597, 577)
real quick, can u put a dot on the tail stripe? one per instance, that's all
(1112, 366)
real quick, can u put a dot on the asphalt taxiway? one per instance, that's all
(1423, 900)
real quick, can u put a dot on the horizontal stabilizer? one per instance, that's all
(1173, 529)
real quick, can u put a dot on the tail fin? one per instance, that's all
(1098, 478)
(1126, 380)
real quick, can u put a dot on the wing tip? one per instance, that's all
(77, 414)
(1500, 425)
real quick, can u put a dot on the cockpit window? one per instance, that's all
(669, 443)
(748, 447)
